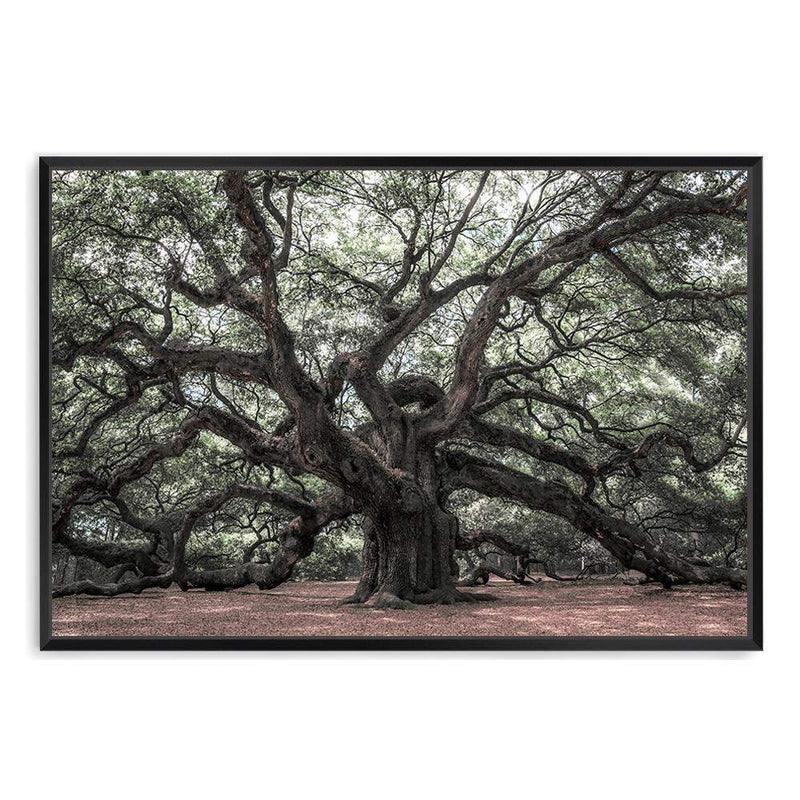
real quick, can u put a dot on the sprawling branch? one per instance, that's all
(479, 430)
(295, 542)
(687, 447)
(523, 554)
(672, 294)
(256, 445)
(603, 231)
(629, 544)
(176, 357)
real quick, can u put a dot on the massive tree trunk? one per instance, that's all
(411, 557)
(409, 546)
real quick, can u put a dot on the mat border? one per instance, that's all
(754, 638)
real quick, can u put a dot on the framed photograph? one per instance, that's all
(401, 403)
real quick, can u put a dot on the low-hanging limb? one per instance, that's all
(523, 554)
(627, 543)
(132, 586)
(145, 559)
(295, 542)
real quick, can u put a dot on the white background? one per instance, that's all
(398, 78)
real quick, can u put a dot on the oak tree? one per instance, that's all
(284, 352)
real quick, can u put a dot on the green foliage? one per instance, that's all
(124, 241)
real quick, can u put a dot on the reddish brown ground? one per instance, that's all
(590, 608)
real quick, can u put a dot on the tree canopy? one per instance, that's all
(251, 367)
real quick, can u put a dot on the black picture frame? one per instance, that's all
(754, 638)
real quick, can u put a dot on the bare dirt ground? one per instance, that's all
(590, 608)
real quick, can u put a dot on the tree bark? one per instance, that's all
(409, 545)
(409, 558)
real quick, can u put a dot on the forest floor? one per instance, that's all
(596, 607)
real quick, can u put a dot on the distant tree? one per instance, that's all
(251, 357)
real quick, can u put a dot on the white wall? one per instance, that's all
(398, 78)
